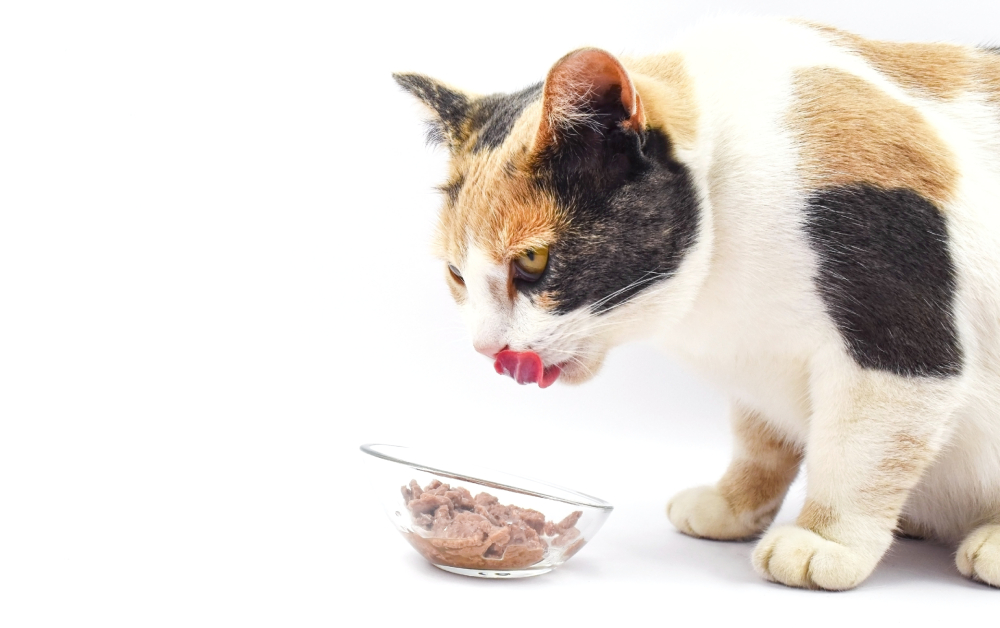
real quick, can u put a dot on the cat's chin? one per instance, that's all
(576, 372)
(574, 379)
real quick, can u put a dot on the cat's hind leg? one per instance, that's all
(872, 434)
(748, 496)
(979, 555)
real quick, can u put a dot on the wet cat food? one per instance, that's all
(454, 528)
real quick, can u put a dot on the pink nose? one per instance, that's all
(488, 349)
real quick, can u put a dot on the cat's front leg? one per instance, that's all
(872, 435)
(748, 496)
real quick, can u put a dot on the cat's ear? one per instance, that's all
(449, 107)
(588, 89)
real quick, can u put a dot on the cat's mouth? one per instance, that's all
(526, 367)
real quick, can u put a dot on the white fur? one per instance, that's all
(702, 511)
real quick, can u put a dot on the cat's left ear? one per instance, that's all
(587, 89)
(450, 108)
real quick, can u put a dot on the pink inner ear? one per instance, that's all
(586, 77)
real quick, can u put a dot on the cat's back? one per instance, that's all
(783, 111)
(849, 176)
(924, 116)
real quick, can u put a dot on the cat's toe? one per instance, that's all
(979, 555)
(798, 557)
(704, 513)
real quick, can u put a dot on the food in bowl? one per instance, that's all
(454, 528)
(476, 521)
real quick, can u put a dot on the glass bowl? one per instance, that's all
(474, 521)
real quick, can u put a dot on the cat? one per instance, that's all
(808, 218)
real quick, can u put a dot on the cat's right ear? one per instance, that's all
(449, 107)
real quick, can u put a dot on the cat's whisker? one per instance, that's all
(586, 368)
(597, 304)
(587, 331)
(642, 280)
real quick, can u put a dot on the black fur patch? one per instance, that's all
(494, 116)
(452, 108)
(633, 214)
(452, 188)
(486, 121)
(887, 278)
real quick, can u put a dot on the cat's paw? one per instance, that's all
(800, 558)
(979, 555)
(704, 513)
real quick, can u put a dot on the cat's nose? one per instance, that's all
(489, 349)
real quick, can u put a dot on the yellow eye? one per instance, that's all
(531, 264)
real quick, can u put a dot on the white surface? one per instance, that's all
(215, 284)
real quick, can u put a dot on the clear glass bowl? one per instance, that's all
(474, 521)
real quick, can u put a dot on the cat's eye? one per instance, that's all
(530, 265)
(456, 274)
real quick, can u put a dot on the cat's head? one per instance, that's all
(567, 215)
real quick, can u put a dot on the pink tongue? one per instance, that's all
(526, 368)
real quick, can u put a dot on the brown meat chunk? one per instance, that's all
(566, 538)
(481, 533)
(532, 518)
(428, 502)
(423, 520)
(569, 523)
(485, 499)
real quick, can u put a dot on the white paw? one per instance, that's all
(704, 513)
(979, 555)
(800, 558)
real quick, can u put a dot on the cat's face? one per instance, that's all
(565, 215)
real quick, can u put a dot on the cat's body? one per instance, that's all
(809, 219)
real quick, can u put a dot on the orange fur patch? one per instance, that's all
(988, 76)
(850, 131)
(766, 470)
(899, 470)
(937, 70)
(499, 207)
(816, 517)
(667, 92)
(545, 301)
(749, 486)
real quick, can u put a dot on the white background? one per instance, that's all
(215, 283)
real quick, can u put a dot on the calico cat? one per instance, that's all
(809, 218)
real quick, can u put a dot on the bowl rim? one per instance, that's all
(582, 499)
